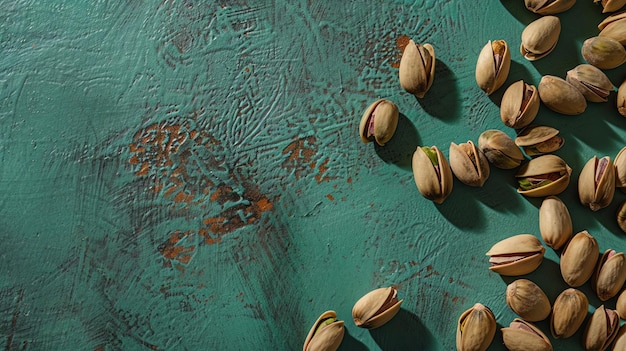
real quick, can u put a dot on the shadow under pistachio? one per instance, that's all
(519, 11)
(349, 343)
(461, 209)
(404, 332)
(500, 191)
(399, 150)
(442, 99)
(516, 72)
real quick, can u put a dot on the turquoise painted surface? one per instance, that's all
(188, 175)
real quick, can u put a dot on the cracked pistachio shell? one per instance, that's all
(603, 52)
(539, 38)
(621, 99)
(560, 96)
(516, 255)
(555, 223)
(475, 329)
(326, 334)
(539, 140)
(619, 343)
(524, 336)
(520, 105)
(469, 164)
(432, 173)
(614, 26)
(601, 329)
(596, 184)
(568, 313)
(492, 67)
(620, 305)
(621, 218)
(610, 275)
(417, 68)
(620, 168)
(548, 7)
(379, 122)
(500, 149)
(578, 259)
(376, 308)
(591, 82)
(543, 176)
(610, 5)
(527, 300)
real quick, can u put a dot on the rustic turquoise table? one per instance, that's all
(184, 175)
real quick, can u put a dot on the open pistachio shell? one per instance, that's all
(560, 96)
(543, 176)
(539, 38)
(610, 275)
(621, 218)
(611, 5)
(527, 300)
(549, 7)
(596, 184)
(568, 313)
(601, 329)
(555, 222)
(475, 329)
(620, 168)
(326, 334)
(379, 122)
(524, 336)
(520, 105)
(621, 99)
(432, 173)
(417, 68)
(492, 67)
(603, 52)
(619, 343)
(614, 26)
(516, 255)
(469, 164)
(538, 140)
(500, 149)
(578, 259)
(591, 82)
(376, 308)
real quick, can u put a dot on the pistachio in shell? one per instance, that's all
(555, 222)
(469, 164)
(620, 168)
(522, 335)
(432, 173)
(549, 7)
(601, 329)
(614, 26)
(603, 52)
(621, 99)
(475, 329)
(376, 308)
(560, 96)
(417, 68)
(540, 37)
(520, 105)
(610, 274)
(591, 82)
(500, 149)
(379, 122)
(568, 313)
(596, 184)
(619, 343)
(543, 176)
(621, 217)
(326, 334)
(516, 255)
(610, 5)
(538, 140)
(578, 259)
(620, 305)
(493, 65)
(527, 300)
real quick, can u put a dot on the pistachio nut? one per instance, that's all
(568, 313)
(620, 168)
(376, 308)
(539, 38)
(516, 255)
(578, 259)
(523, 336)
(621, 217)
(549, 7)
(560, 96)
(527, 300)
(619, 343)
(500, 149)
(326, 334)
(537, 140)
(555, 223)
(520, 105)
(543, 176)
(603, 52)
(614, 26)
(475, 329)
(432, 173)
(610, 275)
(611, 5)
(492, 67)
(620, 305)
(591, 82)
(417, 68)
(469, 164)
(596, 184)
(621, 99)
(379, 122)
(601, 329)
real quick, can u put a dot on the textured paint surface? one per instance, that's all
(184, 175)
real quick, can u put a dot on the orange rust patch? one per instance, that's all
(171, 249)
(401, 42)
(330, 197)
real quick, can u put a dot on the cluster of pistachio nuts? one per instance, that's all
(371, 311)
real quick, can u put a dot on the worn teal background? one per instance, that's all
(183, 175)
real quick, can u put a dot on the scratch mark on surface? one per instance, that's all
(16, 315)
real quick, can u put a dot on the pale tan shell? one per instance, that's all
(520, 105)
(546, 7)
(568, 313)
(578, 259)
(621, 99)
(593, 193)
(620, 305)
(385, 114)
(591, 82)
(560, 96)
(555, 223)
(475, 329)
(376, 308)
(417, 68)
(500, 149)
(538, 140)
(540, 37)
(621, 217)
(603, 52)
(614, 26)
(619, 343)
(610, 275)
(526, 246)
(620, 168)
(544, 165)
(469, 164)
(611, 5)
(601, 329)
(326, 339)
(431, 184)
(493, 65)
(527, 300)
(524, 336)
